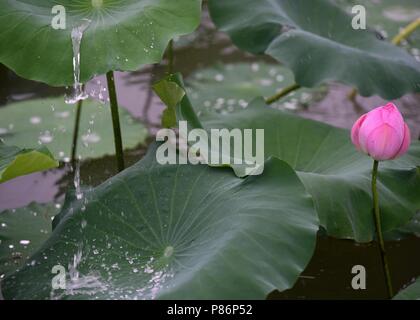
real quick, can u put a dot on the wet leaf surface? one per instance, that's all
(319, 44)
(50, 122)
(115, 39)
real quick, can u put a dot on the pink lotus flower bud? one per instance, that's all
(381, 133)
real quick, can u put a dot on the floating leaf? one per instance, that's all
(122, 35)
(51, 121)
(333, 172)
(317, 41)
(412, 292)
(22, 232)
(178, 231)
(15, 162)
(227, 88)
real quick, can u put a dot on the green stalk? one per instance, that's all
(171, 57)
(76, 133)
(115, 120)
(384, 259)
(282, 93)
(405, 33)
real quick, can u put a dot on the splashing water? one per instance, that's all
(76, 181)
(78, 284)
(157, 280)
(76, 38)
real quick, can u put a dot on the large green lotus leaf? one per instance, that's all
(178, 231)
(412, 292)
(316, 40)
(123, 34)
(15, 162)
(50, 122)
(226, 88)
(22, 232)
(333, 172)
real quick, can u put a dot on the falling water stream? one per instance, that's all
(76, 38)
(78, 88)
(78, 282)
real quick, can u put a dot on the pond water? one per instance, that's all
(328, 275)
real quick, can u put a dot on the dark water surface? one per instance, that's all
(328, 276)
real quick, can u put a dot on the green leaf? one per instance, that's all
(22, 232)
(228, 88)
(169, 92)
(412, 292)
(15, 162)
(122, 35)
(409, 229)
(178, 231)
(184, 109)
(317, 41)
(171, 95)
(334, 173)
(51, 122)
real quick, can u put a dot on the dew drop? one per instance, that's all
(255, 67)
(62, 115)
(266, 82)
(35, 120)
(46, 137)
(91, 138)
(219, 77)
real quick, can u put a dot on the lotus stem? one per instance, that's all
(76, 134)
(405, 33)
(353, 94)
(171, 57)
(377, 214)
(282, 93)
(115, 120)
